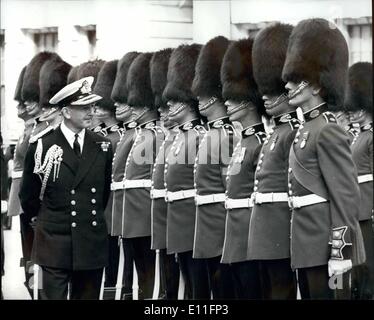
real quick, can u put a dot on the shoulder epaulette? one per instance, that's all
(329, 117)
(200, 129)
(41, 134)
(229, 129)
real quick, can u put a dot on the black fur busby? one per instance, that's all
(207, 80)
(159, 70)
(18, 91)
(237, 74)
(30, 86)
(359, 91)
(73, 74)
(120, 92)
(268, 56)
(104, 84)
(318, 53)
(139, 82)
(90, 68)
(53, 77)
(181, 72)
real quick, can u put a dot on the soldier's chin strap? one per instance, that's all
(280, 99)
(145, 109)
(293, 93)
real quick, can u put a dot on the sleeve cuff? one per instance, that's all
(340, 248)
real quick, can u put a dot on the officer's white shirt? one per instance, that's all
(70, 135)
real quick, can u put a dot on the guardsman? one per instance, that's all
(138, 172)
(91, 69)
(244, 104)
(326, 239)
(105, 113)
(123, 113)
(167, 269)
(14, 206)
(66, 184)
(211, 164)
(359, 102)
(269, 228)
(179, 175)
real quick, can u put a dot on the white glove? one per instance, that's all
(339, 266)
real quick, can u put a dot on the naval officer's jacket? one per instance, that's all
(113, 133)
(68, 195)
(211, 164)
(324, 194)
(137, 180)
(180, 190)
(118, 170)
(238, 201)
(158, 192)
(269, 228)
(362, 153)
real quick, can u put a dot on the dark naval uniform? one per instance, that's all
(362, 154)
(211, 164)
(239, 205)
(69, 200)
(137, 201)
(180, 191)
(324, 194)
(169, 269)
(269, 229)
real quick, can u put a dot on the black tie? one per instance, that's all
(76, 146)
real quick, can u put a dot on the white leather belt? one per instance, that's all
(303, 201)
(141, 183)
(270, 197)
(17, 174)
(238, 203)
(210, 198)
(158, 193)
(180, 195)
(116, 186)
(365, 178)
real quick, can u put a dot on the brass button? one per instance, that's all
(72, 202)
(255, 189)
(93, 201)
(93, 212)
(73, 224)
(73, 213)
(289, 170)
(72, 191)
(93, 190)
(94, 223)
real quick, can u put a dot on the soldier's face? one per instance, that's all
(123, 112)
(342, 119)
(176, 111)
(101, 113)
(275, 105)
(236, 110)
(21, 111)
(79, 117)
(356, 116)
(299, 95)
(32, 108)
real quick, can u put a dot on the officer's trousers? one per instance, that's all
(169, 274)
(363, 275)
(144, 259)
(27, 239)
(278, 281)
(195, 275)
(246, 280)
(84, 284)
(112, 269)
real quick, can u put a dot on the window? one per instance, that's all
(89, 32)
(45, 39)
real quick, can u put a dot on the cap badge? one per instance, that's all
(86, 88)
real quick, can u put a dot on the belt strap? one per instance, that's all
(116, 186)
(303, 201)
(270, 197)
(180, 195)
(365, 178)
(238, 203)
(141, 183)
(210, 198)
(158, 193)
(17, 174)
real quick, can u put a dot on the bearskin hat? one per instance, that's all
(318, 53)
(30, 86)
(18, 91)
(90, 68)
(53, 77)
(207, 80)
(159, 70)
(181, 72)
(120, 92)
(237, 74)
(359, 91)
(104, 84)
(268, 56)
(73, 74)
(139, 82)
